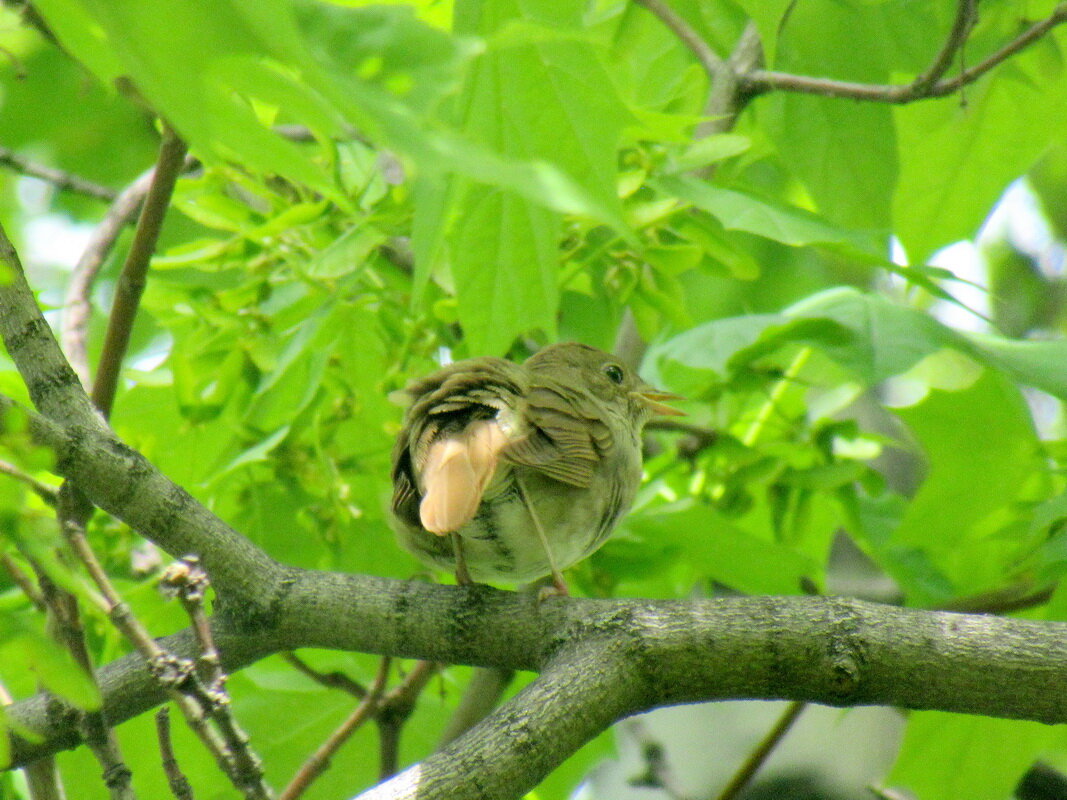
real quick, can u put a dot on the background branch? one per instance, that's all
(761, 81)
(57, 177)
(131, 282)
(77, 308)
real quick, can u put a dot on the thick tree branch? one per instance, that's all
(830, 650)
(57, 177)
(87, 450)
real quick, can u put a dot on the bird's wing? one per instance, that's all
(563, 437)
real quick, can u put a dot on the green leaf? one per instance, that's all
(504, 261)
(957, 158)
(502, 246)
(1041, 364)
(742, 211)
(955, 756)
(710, 150)
(981, 452)
(844, 153)
(53, 666)
(711, 546)
(347, 254)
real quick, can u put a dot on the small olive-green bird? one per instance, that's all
(509, 472)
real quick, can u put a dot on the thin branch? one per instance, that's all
(966, 18)
(176, 675)
(77, 308)
(23, 581)
(179, 784)
(331, 680)
(393, 711)
(47, 493)
(320, 759)
(758, 757)
(762, 81)
(43, 781)
(57, 177)
(187, 579)
(1016, 45)
(65, 625)
(708, 58)
(132, 280)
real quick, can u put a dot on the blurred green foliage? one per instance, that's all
(485, 177)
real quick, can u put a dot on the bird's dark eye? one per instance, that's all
(614, 373)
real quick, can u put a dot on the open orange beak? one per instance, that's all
(653, 399)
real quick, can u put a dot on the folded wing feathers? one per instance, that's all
(454, 439)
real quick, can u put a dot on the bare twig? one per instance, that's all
(708, 58)
(23, 581)
(132, 280)
(758, 757)
(47, 493)
(176, 675)
(179, 784)
(42, 780)
(394, 710)
(762, 81)
(749, 81)
(66, 627)
(56, 177)
(76, 306)
(332, 680)
(320, 759)
(966, 17)
(187, 579)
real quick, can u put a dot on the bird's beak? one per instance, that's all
(653, 399)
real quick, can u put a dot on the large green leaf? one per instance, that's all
(739, 210)
(981, 454)
(502, 249)
(843, 152)
(870, 335)
(958, 157)
(948, 756)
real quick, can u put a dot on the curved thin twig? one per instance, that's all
(57, 177)
(77, 308)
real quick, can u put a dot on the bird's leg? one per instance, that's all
(559, 586)
(463, 577)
